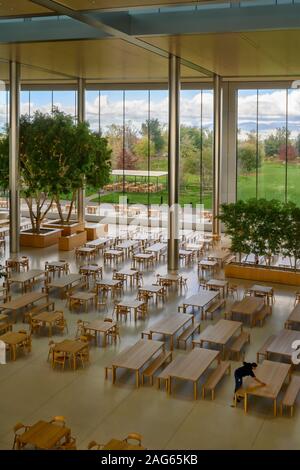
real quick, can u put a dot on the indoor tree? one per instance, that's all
(57, 157)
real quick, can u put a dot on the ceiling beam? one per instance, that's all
(113, 32)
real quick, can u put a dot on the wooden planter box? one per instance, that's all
(95, 231)
(70, 242)
(67, 229)
(262, 274)
(47, 237)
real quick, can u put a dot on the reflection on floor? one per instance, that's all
(96, 410)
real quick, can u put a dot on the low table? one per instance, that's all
(116, 444)
(26, 278)
(23, 301)
(132, 305)
(65, 282)
(262, 291)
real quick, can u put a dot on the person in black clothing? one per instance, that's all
(245, 371)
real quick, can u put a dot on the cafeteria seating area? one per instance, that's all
(119, 347)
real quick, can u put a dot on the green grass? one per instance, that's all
(271, 183)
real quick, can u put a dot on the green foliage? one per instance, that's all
(274, 141)
(56, 157)
(263, 227)
(247, 158)
(155, 130)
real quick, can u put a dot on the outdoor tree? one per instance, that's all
(155, 130)
(275, 140)
(287, 153)
(126, 160)
(250, 155)
(57, 157)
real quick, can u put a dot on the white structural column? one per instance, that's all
(14, 197)
(173, 163)
(81, 118)
(217, 153)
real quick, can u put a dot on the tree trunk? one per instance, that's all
(31, 213)
(71, 206)
(61, 216)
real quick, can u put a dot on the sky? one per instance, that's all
(266, 108)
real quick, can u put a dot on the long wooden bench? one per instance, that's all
(38, 309)
(188, 333)
(262, 314)
(238, 344)
(291, 394)
(263, 350)
(215, 378)
(155, 365)
(214, 307)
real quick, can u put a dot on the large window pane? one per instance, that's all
(247, 142)
(65, 101)
(40, 101)
(273, 144)
(293, 160)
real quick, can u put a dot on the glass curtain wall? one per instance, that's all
(135, 123)
(268, 151)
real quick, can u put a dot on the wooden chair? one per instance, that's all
(102, 300)
(17, 433)
(134, 436)
(51, 347)
(61, 420)
(114, 334)
(93, 445)
(233, 290)
(297, 298)
(84, 354)
(122, 311)
(61, 324)
(70, 444)
(59, 358)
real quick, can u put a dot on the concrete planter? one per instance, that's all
(67, 229)
(47, 237)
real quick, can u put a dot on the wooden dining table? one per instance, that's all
(219, 334)
(273, 374)
(200, 300)
(117, 444)
(13, 339)
(26, 278)
(135, 357)
(247, 308)
(65, 282)
(71, 348)
(281, 346)
(22, 301)
(48, 318)
(98, 327)
(293, 318)
(44, 435)
(171, 325)
(191, 367)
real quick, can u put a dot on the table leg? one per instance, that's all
(114, 370)
(171, 342)
(14, 352)
(275, 407)
(169, 385)
(195, 390)
(50, 329)
(137, 379)
(74, 361)
(104, 340)
(246, 403)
